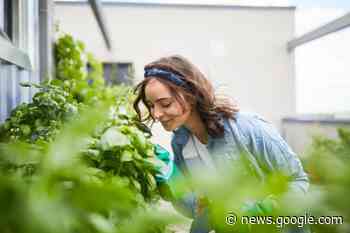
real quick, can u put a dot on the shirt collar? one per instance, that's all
(181, 135)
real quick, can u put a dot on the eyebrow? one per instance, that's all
(162, 98)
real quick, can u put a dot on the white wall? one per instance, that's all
(241, 49)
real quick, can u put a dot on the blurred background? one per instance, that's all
(285, 60)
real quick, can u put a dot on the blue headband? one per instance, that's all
(168, 75)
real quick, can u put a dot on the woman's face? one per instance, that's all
(164, 106)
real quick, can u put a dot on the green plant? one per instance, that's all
(77, 155)
(41, 119)
(66, 194)
(326, 154)
(122, 149)
(327, 162)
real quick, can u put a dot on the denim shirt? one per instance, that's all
(264, 148)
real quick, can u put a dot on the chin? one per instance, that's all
(169, 127)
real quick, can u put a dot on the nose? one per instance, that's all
(157, 113)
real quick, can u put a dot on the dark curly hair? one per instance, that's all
(201, 96)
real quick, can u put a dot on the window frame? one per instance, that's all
(9, 52)
(113, 77)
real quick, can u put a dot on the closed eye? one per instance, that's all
(166, 105)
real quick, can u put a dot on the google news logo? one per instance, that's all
(280, 221)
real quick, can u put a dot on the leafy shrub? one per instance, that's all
(328, 163)
(75, 159)
(41, 119)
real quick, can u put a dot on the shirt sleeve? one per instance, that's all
(272, 152)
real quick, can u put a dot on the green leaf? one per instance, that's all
(157, 163)
(112, 137)
(94, 154)
(126, 156)
(101, 223)
(25, 129)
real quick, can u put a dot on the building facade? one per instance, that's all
(25, 49)
(242, 49)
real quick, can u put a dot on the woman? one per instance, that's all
(178, 95)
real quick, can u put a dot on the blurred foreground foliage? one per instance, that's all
(51, 187)
(328, 163)
(75, 159)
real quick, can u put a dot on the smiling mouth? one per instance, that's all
(166, 122)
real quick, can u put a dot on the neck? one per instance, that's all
(197, 127)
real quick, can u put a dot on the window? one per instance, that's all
(322, 75)
(8, 51)
(118, 73)
(6, 19)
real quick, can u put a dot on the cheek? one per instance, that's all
(176, 110)
(181, 113)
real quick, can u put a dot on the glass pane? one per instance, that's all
(1, 14)
(123, 73)
(307, 19)
(7, 17)
(107, 70)
(322, 74)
